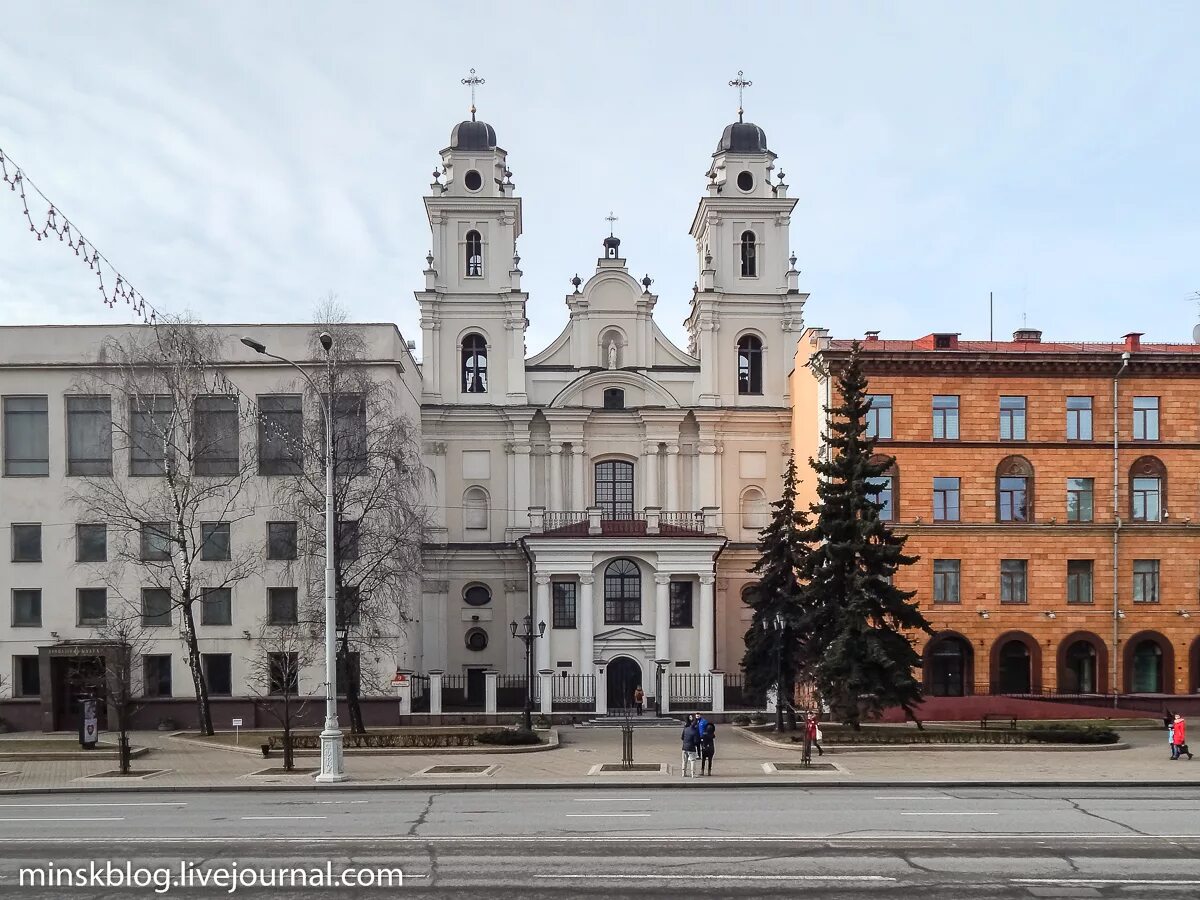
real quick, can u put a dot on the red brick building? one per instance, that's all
(1054, 556)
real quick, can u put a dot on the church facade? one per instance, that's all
(611, 484)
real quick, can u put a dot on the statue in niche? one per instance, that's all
(612, 354)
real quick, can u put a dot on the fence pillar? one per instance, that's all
(490, 680)
(664, 702)
(601, 687)
(718, 691)
(435, 692)
(403, 683)
(547, 690)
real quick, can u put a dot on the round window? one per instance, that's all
(745, 181)
(477, 595)
(473, 180)
(477, 639)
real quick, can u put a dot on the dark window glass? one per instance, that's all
(27, 543)
(26, 436)
(218, 673)
(349, 433)
(156, 542)
(281, 540)
(1147, 499)
(1079, 418)
(216, 606)
(89, 435)
(1079, 581)
(347, 539)
(1013, 499)
(1145, 581)
(280, 434)
(348, 606)
(477, 639)
(215, 543)
(26, 607)
(886, 497)
(879, 417)
(282, 607)
(945, 417)
(474, 253)
(91, 543)
(1080, 497)
(156, 672)
(349, 671)
(1012, 418)
(474, 365)
(749, 255)
(285, 672)
(152, 439)
(945, 500)
(946, 580)
(1012, 580)
(1145, 418)
(681, 604)
(216, 435)
(614, 489)
(477, 595)
(564, 604)
(156, 607)
(27, 676)
(750, 365)
(622, 593)
(614, 398)
(92, 606)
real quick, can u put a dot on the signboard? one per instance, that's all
(88, 726)
(237, 731)
(237, 723)
(400, 678)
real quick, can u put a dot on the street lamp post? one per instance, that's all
(527, 635)
(332, 767)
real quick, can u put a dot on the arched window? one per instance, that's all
(477, 639)
(614, 398)
(1147, 490)
(474, 364)
(475, 508)
(754, 509)
(948, 666)
(1014, 490)
(622, 593)
(750, 594)
(474, 254)
(1147, 667)
(477, 595)
(888, 484)
(614, 489)
(749, 255)
(750, 367)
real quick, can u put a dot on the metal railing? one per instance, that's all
(692, 522)
(691, 687)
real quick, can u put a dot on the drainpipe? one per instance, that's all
(1116, 534)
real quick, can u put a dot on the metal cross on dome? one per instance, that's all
(473, 81)
(741, 83)
(610, 219)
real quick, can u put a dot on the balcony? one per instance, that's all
(652, 521)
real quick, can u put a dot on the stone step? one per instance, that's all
(635, 721)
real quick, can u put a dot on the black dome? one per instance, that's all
(473, 135)
(743, 137)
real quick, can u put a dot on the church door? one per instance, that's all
(623, 675)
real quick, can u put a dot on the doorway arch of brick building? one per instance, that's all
(1072, 665)
(947, 673)
(1005, 671)
(1144, 671)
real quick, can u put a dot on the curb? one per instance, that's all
(551, 743)
(911, 748)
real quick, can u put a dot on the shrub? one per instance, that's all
(541, 722)
(758, 719)
(1073, 734)
(508, 737)
(741, 720)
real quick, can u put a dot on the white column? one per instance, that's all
(718, 692)
(435, 693)
(579, 498)
(542, 614)
(545, 677)
(672, 477)
(522, 498)
(490, 680)
(556, 477)
(650, 474)
(662, 616)
(664, 701)
(586, 623)
(708, 475)
(704, 630)
(436, 451)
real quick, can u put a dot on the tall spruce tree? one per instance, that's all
(856, 622)
(773, 658)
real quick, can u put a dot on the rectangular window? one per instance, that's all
(91, 543)
(1079, 418)
(27, 676)
(215, 450)
(1145, 418)
(27, 543)
(280, 434)
(89, 435)
(156, 542)
(1147, 499)
(92, 606)
(27, 607)
(156, 607)
(218, 673)
(281, 540)
(1145, 581)
(681, 604)
(348, 606)
(349, 429)
(885, 498)
(152, 434)
(564, 604)
(1079, 581)
(214, 541)
(945, 500)
(1012, 580)
(1080, 499)
(26, 436)
(945, 580)
(349, 671)
(945, 417)
(1012, 418)
(282, 606)
(285, 672)
(347, 539)
(1013, 499)
(879, 417)
(216, 606)
(156, 675)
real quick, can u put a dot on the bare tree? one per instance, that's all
(183, 478)
(378, 504)
(286, 652)
(122, 677)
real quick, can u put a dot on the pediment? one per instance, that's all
(653, 392)
(624, 633)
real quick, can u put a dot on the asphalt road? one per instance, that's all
(829, 842)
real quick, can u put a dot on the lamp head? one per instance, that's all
(541, 629)
(512, 626)
(254, 345)
(326, 340)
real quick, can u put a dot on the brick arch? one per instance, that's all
(927, 675)
(1194, 667)
(1035, 659)
(1101, 660)
(1168, 660)
(1149, 467)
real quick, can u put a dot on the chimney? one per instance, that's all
(1027, 336)
(1133, 340)
(872, 335)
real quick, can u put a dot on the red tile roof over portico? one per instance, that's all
(927, 344)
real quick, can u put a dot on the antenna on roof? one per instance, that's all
(991, 318)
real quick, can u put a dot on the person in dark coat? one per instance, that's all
(691, 747)
(708, 746)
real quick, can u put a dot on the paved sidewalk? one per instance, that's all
(740, 761)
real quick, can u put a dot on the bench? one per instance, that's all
(998, 717)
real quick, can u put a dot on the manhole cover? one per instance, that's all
(801, 767)
(456, 770)
(636, 767)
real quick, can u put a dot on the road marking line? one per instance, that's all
(608, 815)
(611, 799)
(569, 838)
(72, 819)
(262, 818)
(622, 877)
(78, 805)
(945, 813)
(916, 798)
(1082, 881)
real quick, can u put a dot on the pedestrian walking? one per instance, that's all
(1179, 738)
(815, 727)
(691, 747)
(708, 746)
(1169, 724)
(639, 699)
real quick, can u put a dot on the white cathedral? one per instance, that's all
(620, 479)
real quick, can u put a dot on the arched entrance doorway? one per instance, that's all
(1082, 664)
(948, 669)
(623, 675)
(1149, 664)
(1014, 668)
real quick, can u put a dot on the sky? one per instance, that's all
(241, 161)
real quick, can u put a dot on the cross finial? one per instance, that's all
(473, 81)
(741, 83)
(610, 219)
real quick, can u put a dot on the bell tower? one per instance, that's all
(747, 311)
(472, 308)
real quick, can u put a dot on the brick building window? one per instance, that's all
(1080, 499)
(1147, 489)
(945, 500)
(1012, 418)
(1014, 490)
(1079, 418)
(1145, 581)
(887, 483)
(879, 417)
(1079, 581)
(945, 417)
(946, 580)
(1145, 418)
(1013, 581)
